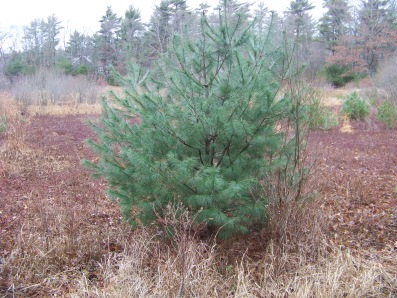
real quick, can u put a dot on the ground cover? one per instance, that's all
(61, 236)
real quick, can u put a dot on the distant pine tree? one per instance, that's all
(209, 132)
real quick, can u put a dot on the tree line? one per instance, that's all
(347, 41)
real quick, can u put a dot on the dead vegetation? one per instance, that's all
(60, 236)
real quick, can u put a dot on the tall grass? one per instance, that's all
(12, 123)
(194, 268)
(58, 249)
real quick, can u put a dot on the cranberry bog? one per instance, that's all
(60, 236)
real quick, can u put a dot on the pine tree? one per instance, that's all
(210, 130)
(333, 24)
(260, 13)
(300, 27)
(108, 40)
(372, 39)
(79, 48)
(379, 38)
(298, 17)
(33, 42)
(170, 17)
(40, 41)
(132, 30)
(51, 30)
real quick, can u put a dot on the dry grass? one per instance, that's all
(65, 109)
(14, 110)
(346, 126)
(149, 268)
(332, 102)
(52, 247)
(74, 262)
(14, 132)
(59, 251)
(333, 98)
(335, 273)
(8, 105)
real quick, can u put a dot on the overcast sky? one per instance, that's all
(84, 15)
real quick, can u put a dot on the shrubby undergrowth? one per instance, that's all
(3, 121)
(386, 77)
(53, 87)
(320, 117)
(355, 107)
(387, 113)
(338, 75)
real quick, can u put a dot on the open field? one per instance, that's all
(60, 236)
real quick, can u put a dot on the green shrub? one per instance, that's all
(81, 69)
(3, 123)
(208, 136)
(355, 107)
(387, 114)
(338, 75)
(69, 68)
(3, 120)
(16, 67)
(65, 65)
(319, 117)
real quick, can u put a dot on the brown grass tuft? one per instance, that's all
(346, 126)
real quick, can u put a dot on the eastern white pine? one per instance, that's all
(208, 132)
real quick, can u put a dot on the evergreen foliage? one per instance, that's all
(3, 122)
(40, 41)
(16, 67)
(338, 75)
(108, 41)
(334, 23)
(355, 107)
(387, 114)
(319, 117)
(212, 129)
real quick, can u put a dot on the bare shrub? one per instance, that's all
(52, 87)
(4, 83)
(62, 88)
(386, 77)
(297, 227)
(316, 61)
(24, 91)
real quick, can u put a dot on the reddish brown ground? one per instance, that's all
(355, 176)
(47, 169)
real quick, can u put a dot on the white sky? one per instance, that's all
(84, 15)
